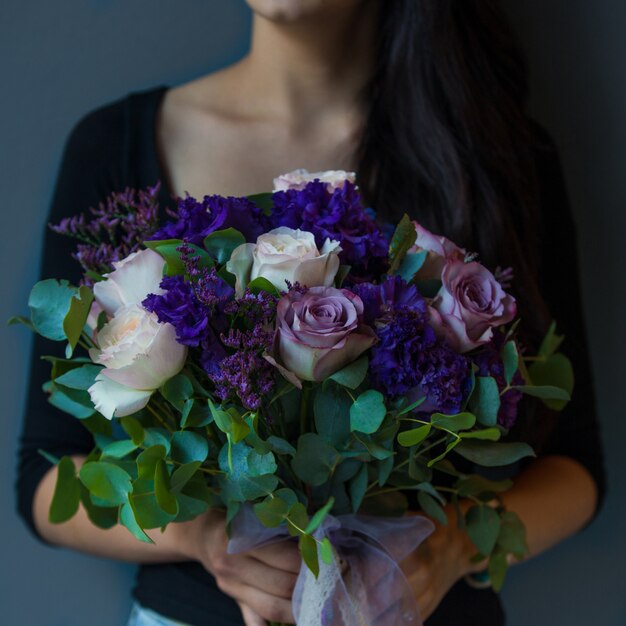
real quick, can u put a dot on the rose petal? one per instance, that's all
(114, 400)
(240, 264)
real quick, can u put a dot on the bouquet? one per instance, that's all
(315, 374)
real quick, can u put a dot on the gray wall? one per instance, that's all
(58, 63)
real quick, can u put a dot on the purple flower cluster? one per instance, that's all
(490, 363)
(112, 231)
(194, 220)
(245, 373)
(408, 358)
(338, 215)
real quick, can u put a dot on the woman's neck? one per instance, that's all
(302, 70)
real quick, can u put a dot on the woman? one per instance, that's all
(423, 99)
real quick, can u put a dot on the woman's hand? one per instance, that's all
(261, 581)
(439, 562)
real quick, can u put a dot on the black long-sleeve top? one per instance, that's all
(114, 148)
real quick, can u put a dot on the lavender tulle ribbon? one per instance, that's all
(366, 586)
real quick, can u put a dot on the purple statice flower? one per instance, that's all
(335, 214)
(245, 373)
(408, 358)
(393, 293)
(194, 220)
(113, 230)
(490, 363)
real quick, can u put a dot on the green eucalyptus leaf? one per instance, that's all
(49, 303)
(119, 449)
(510, 360)
(182, 475)
(485, 400)
(491, 454)
(127, 519)
(133, 429)
(431, 507)
(497, 569)
(475, 485)
(556, 370)
(414, 436)
(486, 434)
(326, 551)
(156, 436)
(61, 399)
(314, 460)
(545, 392)
(148, 513)
(66, 496)
(308, 550)
(512, 536)
(357, 488)
(164, 497)
(551, 342)
(454, 423)
(412, 406)
(272, 512)
(188, 446)
(177, 390)
(148, 459)
(331, 412)
(368, 412)
(280, 446)
(80, 377)
(319, 516)
(263, 200)
(483, 525)
(352, 375)
(260, 284)
(106, 481)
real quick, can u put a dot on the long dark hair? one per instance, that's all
(446, 139)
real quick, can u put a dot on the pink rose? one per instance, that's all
(469, 305)
(134, 277)
(298, 179)
(139, 355)
(319, 332)
(439, 250)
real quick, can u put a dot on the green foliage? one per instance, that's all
(352, 375)
(49, 303)
(314, 460)
(263, 201)
(368, 412)
(177, 391)
(414, 436)
(510, 360)
(403, 239)
(119, 449)
(260, 284)
(127, 519)
(106, 481)
(454, 423)
(483, 526)
(357, 487)
(485, 400)
(80, 378)
(272, 512)
(555, 371)
(331, 413)
(70, 401)
(308, 550)
(66, 496)
(221, 243)
(545, 392)
(551, 342)
(411, 264)
(164, 496)
(133, 429)
(76, 317)
(319, 516)
(431, 507)
(188, 446)
(494, 454)
(478, 486)
(326, 551)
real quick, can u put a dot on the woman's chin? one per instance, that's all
(296, 10)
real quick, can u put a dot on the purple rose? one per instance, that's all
(470, 303)
(438, 250)
(319, 331)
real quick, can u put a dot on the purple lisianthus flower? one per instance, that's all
(194, 220)
(489, 363)
(335, 214)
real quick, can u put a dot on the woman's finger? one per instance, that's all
(269, 607)
(282, 555)
(250, 618)
(278, 582)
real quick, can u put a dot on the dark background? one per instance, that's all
(58, 60)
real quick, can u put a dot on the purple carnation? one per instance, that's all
(335, 214)
(394, 293)
(408, 358)
(194, 220)
(489, 363)
(179, 307)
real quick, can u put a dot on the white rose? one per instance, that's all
(299, 178)
(134, 277)
(139, 355)
(285, 254)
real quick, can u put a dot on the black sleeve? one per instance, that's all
(92, 167)
(577, 431)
